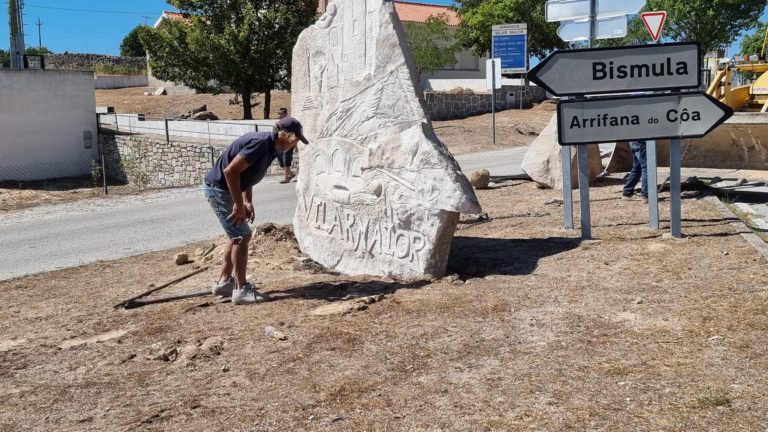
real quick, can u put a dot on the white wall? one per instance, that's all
(43, 117)
(120, 81)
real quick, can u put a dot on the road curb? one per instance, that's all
(753, 239)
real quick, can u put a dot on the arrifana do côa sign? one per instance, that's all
(687, 115)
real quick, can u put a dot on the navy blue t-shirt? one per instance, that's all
(258, 148)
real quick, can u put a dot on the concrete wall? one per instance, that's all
(120, 81)
(152, 162)
(46, 118)
(218, 130)
(450, 106)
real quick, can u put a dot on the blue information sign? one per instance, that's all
(510, 44)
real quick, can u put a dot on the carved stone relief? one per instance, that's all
(378, 192)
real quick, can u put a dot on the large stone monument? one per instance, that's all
(543, 162)
(378, 193)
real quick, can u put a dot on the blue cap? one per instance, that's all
(290, 124)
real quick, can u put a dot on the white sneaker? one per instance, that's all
(247, 295)
(223, 289)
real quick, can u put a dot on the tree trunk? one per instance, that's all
(245, 94)
(267, 103)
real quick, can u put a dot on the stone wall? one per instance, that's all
(151, 162)
(451, 106)
(88, 62)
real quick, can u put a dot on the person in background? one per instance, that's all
(285, 158)
(228, 188)
(639, 173)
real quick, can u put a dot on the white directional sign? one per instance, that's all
(620, 69)
(562, 10)
(686, 115)
(493, 74)
(605, 28)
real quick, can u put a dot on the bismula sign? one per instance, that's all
(621, 69)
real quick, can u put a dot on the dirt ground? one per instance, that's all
(533, 329)
(514, 128)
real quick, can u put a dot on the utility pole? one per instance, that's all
(17, 34)
(39, 25)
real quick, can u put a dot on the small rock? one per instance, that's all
(715, 338)
(452, 278)
(182, 258)
(274, 333)
(162, 351)
(213, 345)
(147, 93)
(715, 180)
(480, 179)
(639, 300)
(726, 253)
(205, 115)
(225, 369)
(160, 91)
(741, 182)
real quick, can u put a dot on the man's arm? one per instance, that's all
(232, 175)
(248, 199)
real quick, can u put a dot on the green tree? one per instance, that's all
(479, 16)
(43, 51)
(5, 59)
(242, 45)
(131, 45)
(432, 44)
(753, 43)
(711, 23)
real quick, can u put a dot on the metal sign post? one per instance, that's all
(653, 188)
(567, 188)
(493, 97)
(675, 213)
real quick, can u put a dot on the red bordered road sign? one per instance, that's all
(654, 22)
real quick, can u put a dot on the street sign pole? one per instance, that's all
(493, 96)
(653, 188)
(652, 168)
(582, 152)
(567, 188)
(675, 213)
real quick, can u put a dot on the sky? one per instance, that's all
(98, 26)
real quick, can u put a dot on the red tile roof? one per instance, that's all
(419, 12)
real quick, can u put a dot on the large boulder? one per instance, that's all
(378, 192)
(621, 158)
(543, 161)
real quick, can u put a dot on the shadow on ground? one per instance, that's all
(479, 257)
(345, 290)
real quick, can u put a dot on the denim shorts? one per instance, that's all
(221, 203)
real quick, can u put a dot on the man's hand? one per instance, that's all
(239, 214)
(250, 212)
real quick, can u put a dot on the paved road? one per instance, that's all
(57, 236)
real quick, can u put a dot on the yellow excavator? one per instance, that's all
(750, 97)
